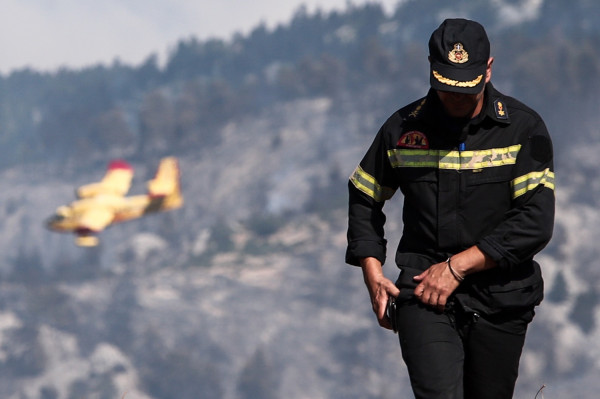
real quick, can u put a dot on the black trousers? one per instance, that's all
(458, 354)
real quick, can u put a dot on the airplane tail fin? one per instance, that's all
(166, 184)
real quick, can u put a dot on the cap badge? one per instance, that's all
(458, 55)
(413, 139)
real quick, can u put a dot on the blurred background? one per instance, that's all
(243, 292)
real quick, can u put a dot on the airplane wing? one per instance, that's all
(116, 181)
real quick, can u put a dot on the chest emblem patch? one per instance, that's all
(413, 139)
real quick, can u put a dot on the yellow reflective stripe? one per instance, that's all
(530, 181)
(457, 160)
(368, 185)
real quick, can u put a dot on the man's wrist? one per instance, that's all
(472, 260)
(457, 276)
(371, 268)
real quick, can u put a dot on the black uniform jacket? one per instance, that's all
(487, 182)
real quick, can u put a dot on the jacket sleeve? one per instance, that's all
(369, 186)
(527, 226)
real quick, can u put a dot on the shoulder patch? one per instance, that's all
(541, 148)
(413, 139)
(500, 109)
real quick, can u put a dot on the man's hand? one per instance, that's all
(438, 282)
(380, 289)
(435, 285)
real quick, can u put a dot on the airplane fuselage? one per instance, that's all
(103, 203)
(68, 218)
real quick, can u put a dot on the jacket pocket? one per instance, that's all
(523, 288)
(502, 174)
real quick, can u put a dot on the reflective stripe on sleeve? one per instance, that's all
(368, 185)
(456, 160)
(532, 180)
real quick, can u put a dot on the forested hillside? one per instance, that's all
(132, 110)
(243, 293)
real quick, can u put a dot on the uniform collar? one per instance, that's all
(494, 108)
(428, 111)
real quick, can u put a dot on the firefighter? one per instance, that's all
(475, 169)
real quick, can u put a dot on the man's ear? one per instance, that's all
(488, 71)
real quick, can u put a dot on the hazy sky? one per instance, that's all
(47, 34)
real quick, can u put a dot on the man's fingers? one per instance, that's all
(385, 323)
(380, 309)
(434, 300)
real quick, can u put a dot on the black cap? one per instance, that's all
(459, 51)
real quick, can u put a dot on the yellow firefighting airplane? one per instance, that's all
(103, 203)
